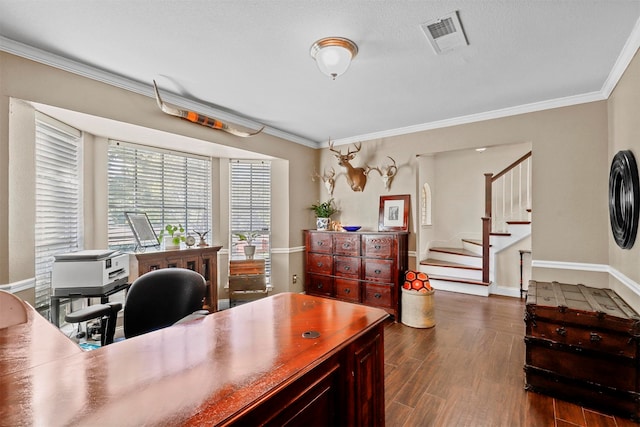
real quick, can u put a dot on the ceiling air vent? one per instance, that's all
(445, 33)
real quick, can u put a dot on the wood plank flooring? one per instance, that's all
(468, 371)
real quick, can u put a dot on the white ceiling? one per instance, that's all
(248, 62)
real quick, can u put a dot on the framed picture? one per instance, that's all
(394, 213)
(142, 230)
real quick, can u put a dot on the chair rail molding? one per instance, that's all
(20, 285)
(598, 268)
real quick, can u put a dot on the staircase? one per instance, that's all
(470, 268)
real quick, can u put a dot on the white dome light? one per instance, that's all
(333, 55)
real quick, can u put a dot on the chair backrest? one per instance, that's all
(160, 298)
(12, 310)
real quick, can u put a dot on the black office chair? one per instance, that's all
(161, 298)
(155, 300)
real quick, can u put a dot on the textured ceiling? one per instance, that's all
(249, 60)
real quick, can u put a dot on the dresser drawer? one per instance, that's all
(378, 270)
(321, 242)
(319, 263)
(347, 266)
(319, 285)
(346, 244)
(586, 338)
(378, 246)
(377, 295)
(348, 290)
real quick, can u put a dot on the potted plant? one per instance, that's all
(172, 236)
(323, 212)
(249, 237)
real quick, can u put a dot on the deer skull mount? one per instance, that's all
(356, 177)
(387, 172)
(328, 178)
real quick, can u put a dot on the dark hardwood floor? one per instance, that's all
(468, 371)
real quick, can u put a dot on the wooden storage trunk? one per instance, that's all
(582, 346)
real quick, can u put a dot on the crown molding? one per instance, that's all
(479, 117)
(47, 58)
(622, 62)
(624, 59)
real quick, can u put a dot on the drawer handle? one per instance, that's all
(347, 268)
(319, 264)
(377, 246)
(377, 295)
(319, 285)
(347, 290)
(561, 331)
(595, 337)
(346, 246)
(320, 243)
(377, 271)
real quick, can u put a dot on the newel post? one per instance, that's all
(486, 226)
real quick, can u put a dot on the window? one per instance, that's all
(250, 207)
(58, 195)
(170, 187)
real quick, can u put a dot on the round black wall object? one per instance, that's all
(624, 196)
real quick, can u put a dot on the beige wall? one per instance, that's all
(624, 134)
(569, 199)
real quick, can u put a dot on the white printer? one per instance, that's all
(89, 271)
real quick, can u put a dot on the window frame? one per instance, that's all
(171, 187)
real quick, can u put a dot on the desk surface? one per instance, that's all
(203, 371)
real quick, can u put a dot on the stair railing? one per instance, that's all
(511, 201)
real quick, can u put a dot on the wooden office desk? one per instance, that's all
(241, 366)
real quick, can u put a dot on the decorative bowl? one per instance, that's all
(351, 227)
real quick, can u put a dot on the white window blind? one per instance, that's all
(171, 188)
(58, 192)
(250, 207)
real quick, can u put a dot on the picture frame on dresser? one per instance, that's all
(394, 213)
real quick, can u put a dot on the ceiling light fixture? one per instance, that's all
(333, 55)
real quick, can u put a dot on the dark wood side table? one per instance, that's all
(204, 260)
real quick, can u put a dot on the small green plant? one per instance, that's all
(248, 236)
(176, 233)
(324, 209)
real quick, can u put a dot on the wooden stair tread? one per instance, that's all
(473, 241)
(459, 280)
(518, 222)
(456, 251)
(440, 263)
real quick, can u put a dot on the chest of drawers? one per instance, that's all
(361, 267)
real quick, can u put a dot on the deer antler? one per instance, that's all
(358, 147)
(199, 118)
(332, 149)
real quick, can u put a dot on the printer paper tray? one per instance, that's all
(87, 291)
